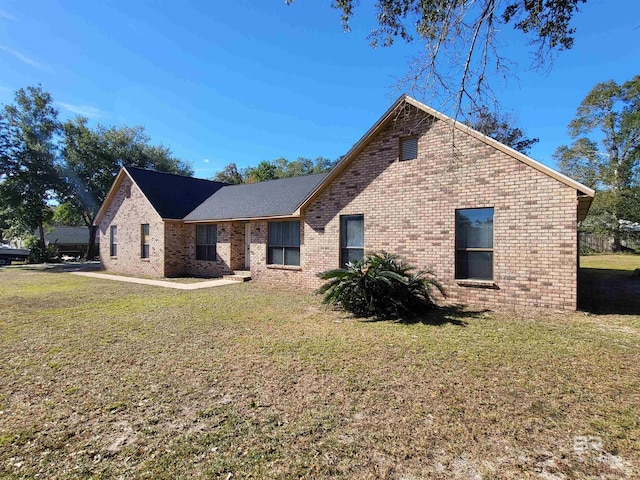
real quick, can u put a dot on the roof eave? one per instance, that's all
(584, 203)
(295, 214)
(110, 195)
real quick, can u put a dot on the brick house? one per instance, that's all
(496, 227)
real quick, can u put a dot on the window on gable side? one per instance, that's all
(408, 148)
(144, 240)
(474, 243)
(351, 238)
(113, 241)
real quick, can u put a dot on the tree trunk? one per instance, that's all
(43, 245)
(616, 246)
(93, 230)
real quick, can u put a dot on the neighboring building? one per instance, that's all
(496, 227)
(70, 241)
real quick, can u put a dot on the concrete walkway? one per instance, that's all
(158, 283)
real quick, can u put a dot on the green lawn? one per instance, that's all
(622, 262)
(102, 379)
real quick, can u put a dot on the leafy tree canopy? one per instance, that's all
(93, 157)
(605, 153)
(29, 168)
(500, 127)
(274, 169)
(230, 174)
(42, 160)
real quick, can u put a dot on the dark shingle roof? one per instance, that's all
(173, 196)
(257, 200)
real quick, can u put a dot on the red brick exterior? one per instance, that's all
(409, 209)
(229, 251)
(128, 212)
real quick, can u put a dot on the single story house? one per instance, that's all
(495, 226)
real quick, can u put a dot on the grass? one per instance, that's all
(621, 262)
(607, 284)
(101, 379)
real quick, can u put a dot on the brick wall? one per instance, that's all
(229, 251)
(128, 212)
(283, 275)
(409, 209)
(175, 241)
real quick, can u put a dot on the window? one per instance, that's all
(284, 243)
(474, 243)
(206, 239)
(144, 240)
(113, 241)
(408, 148)
(351, 238)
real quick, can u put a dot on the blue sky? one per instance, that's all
(246, 81)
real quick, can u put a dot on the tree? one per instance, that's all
(264, 171)
(499, 128)
(29, 169)
(463, 38)
(230, 175)
(93, 158)
(271, 170)
(611, 114)
(301, 166)
(65, 214)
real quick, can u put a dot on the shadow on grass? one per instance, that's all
(92, 266)
(607, 291)
(453, 315)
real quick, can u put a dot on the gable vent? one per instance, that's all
(408, 148)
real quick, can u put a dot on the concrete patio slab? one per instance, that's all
(159, 283)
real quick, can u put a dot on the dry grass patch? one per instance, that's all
(100, 380)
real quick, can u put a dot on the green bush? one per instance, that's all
(380, 285)
(39, 255)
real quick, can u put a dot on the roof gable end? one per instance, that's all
(585, 194)
(171, 196)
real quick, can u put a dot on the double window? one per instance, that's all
(474, 243)
(206, 239)
(144, 240)
(351, 238)
(284, 243)
(113, 241)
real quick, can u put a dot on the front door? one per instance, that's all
(247, 246)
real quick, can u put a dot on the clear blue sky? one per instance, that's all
(251, 80)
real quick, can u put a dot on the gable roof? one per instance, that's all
(172, 196)
(584, 194)
(269, 199)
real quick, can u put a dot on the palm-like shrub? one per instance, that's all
(380, 285)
